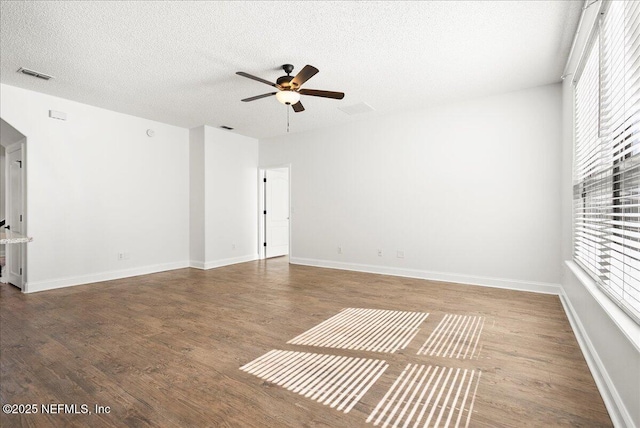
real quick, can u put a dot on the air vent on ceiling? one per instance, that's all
(226, 127)
(34, 73)
(357, 109)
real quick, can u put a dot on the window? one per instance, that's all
(606, 191)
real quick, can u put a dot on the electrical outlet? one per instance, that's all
(233, 246)
(120, 256)
(379, 252)
(400, 254)
(339, 250)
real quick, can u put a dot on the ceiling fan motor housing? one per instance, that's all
(284, 81)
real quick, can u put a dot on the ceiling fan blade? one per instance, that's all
(297, 107)
(324, 94)
(305, 74)
(257, 97)
(259, 79)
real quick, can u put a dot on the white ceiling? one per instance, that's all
(175, 62)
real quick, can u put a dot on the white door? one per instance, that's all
(14, 214)
(277, 216)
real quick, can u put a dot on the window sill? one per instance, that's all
(624, 322)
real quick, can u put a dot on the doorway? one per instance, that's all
(275, 213)
(12, 209)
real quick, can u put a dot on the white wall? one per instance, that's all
(196, 197)
(609, 339)
(98, 185)
(224, 192)
(468, 191)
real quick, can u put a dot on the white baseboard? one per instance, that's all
(222, 262)
(33, 287)
(196, 264)
(511, 284)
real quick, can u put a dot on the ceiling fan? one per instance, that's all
(289, 87)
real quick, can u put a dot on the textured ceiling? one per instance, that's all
(175, 62)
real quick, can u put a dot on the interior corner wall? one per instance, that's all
(466, 192)
(98, 186)
(224, 205)
(196, 198)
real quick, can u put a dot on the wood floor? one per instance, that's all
(166, 350)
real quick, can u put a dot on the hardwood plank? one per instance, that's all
(165, 349)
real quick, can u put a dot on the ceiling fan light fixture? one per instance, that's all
(289, 87)
(288, 97)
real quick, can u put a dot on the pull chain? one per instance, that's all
(287, 119)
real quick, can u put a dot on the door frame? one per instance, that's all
(20, 145)
(3, 190)
(262, 254)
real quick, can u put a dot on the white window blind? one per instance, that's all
(607, 157)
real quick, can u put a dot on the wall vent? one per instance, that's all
(34, 73)
(226, 127)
